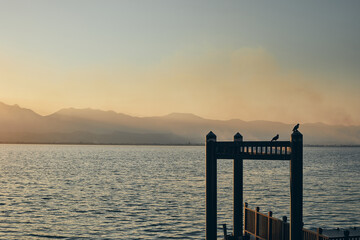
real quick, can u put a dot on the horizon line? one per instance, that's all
(183, 113)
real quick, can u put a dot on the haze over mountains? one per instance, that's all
(88, 126)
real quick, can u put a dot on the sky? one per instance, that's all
(281, 61)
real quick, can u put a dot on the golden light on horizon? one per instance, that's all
(247, 83)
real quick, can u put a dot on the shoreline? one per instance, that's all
(154, 144)
(101, 144)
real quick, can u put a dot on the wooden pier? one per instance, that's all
(252, 224)
(238, 150)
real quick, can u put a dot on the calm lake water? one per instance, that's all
(158, 192)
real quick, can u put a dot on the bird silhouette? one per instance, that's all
(275, 138)
(295, 129)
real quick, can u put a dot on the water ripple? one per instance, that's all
(141, 192)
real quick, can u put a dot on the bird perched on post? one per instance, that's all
(295, 129)
(275, 138)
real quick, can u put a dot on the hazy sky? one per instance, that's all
(271, 60)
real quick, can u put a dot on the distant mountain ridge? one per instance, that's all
(89, 126)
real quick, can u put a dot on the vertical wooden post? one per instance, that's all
(238, 190)
(283, 230)
(257, 209)
(245, 217)
(346, 234)
(225, 231)
(296, 186)
(318, 232)
(269, 237)
(211, 187)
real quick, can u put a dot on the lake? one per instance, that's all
(158, 192)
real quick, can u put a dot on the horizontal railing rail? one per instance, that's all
(254, 150)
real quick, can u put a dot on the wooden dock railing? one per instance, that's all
(311, 235)
(265, 227)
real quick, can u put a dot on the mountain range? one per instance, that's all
(89, 126)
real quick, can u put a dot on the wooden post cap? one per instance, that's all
(296, 136)
(238, 137)
(211, 137)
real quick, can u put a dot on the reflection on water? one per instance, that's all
(145, 192)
